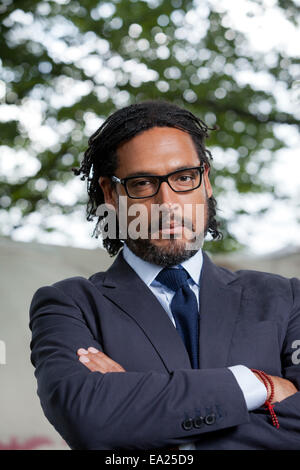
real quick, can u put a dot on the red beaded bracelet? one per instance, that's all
(266, 379)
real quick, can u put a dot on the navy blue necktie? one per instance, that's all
(184, 308)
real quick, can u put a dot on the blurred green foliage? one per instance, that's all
(82, 60)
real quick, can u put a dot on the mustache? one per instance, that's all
(165, 220)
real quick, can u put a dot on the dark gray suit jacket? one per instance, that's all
(247, 317)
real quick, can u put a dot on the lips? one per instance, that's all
(171, 228)
(169, 225)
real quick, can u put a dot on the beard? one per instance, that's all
(174, 251)
(167, 256)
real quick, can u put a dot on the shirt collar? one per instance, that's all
(193, 266)
(148, 271)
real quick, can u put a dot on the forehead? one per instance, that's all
(159, 149)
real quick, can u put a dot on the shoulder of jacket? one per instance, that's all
(260, 280)
(75, 284)
(260, 276)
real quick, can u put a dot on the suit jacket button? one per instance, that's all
(198, 421)
(187, 424)
(210, 419)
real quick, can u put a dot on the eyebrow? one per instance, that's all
(147, 173)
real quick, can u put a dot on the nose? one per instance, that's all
(166, 196)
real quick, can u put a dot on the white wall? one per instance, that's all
(24, 268)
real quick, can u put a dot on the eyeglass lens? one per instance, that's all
(146, 186)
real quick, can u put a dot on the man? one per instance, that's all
(157, 352)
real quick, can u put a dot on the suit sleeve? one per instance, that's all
(259, 433)
(125, 410)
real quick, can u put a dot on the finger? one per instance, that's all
(86, 362)
(93, 365)
(104, 361)
(97, 361)
(86, 358)
(81, 351)
(91, 349)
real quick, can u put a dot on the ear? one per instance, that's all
(110, 195)
(208, 187)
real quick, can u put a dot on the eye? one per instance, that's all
(185, 177)
(140, 183)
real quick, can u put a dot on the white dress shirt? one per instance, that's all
(254, 391)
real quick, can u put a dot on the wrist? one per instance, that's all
(269, 384)
(264, 382)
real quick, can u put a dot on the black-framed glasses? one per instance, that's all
(180, 181)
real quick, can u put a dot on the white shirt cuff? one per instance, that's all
(253, 389)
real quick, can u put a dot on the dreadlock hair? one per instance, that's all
(101, 159)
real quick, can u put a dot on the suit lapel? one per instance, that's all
(126, 290)
(219, 309)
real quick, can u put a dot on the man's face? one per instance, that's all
(160, 151)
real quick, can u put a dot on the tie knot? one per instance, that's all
(173, 278)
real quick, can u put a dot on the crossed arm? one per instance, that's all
(97, 361)
(144, 410)
(258, 433)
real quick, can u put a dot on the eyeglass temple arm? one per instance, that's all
(116, 179)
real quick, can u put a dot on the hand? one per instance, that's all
(97, 361)
(283, 388)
